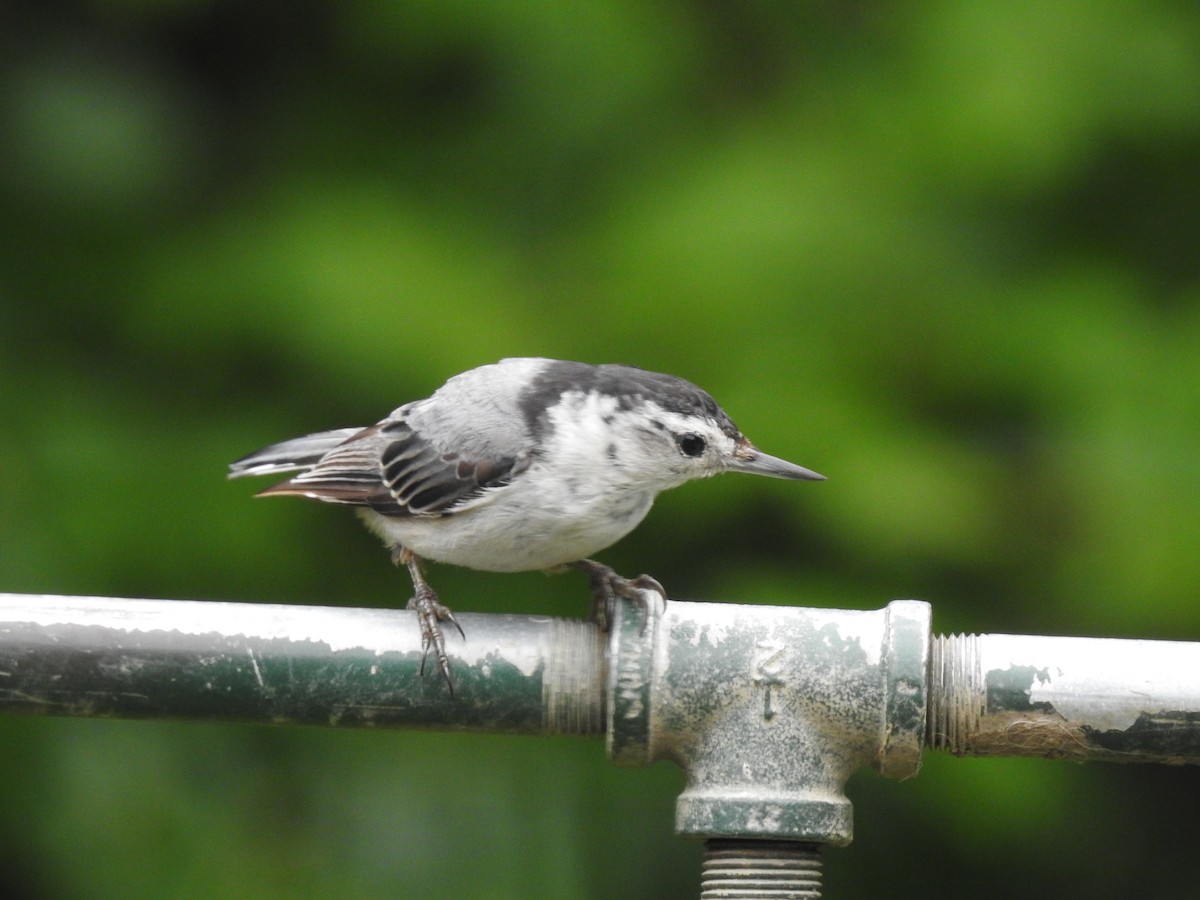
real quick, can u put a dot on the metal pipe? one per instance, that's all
(770, 709)
(248, 662)
(1065, 697)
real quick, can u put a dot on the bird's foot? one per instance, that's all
(431, 614)
(608, 588)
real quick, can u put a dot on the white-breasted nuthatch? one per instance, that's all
(523, 464)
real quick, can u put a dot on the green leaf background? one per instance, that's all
(947, 254)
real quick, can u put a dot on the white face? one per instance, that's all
(645, 447)
(687, 447)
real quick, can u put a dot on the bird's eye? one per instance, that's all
(691, 444)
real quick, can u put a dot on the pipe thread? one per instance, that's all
(760, 870)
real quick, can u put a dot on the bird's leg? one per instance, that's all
(430, 613)
(608, 587)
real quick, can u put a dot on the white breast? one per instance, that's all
(583, 493)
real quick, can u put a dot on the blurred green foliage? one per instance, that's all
(947, 254)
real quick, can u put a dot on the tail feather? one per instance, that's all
(292, 455)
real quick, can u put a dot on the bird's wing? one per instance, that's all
(394, 470)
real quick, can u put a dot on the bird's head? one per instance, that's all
(685, 446)
(643, 428)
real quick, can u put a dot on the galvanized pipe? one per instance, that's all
(1072, 698)
(248, 662)
(767, 709)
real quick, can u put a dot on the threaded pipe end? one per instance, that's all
(573, 680)
(760, 870)
(957, 693)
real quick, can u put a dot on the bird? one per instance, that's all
(524, 464)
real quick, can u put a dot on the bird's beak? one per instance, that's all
(748, 458)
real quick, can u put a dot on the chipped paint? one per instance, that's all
(1100, 683)
(1066, 698)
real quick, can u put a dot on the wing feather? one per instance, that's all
(288, 456)
(394, 470)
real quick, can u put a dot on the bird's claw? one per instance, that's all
(608, 587)
(430, 614)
